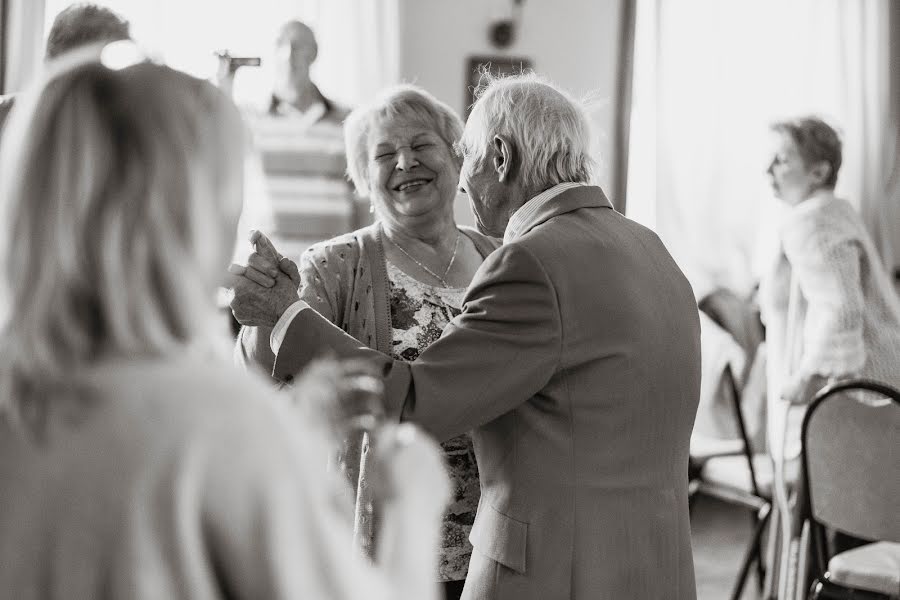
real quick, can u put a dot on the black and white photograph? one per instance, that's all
(450, 299)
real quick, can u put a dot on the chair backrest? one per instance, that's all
(851, 459)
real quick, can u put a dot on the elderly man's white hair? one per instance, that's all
(549, 129)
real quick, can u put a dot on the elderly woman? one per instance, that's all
(135, 461)
(396, 284)
(828, 303)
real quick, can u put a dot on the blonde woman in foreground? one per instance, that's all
(134, 461)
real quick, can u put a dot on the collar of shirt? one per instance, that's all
(521, 219)
(305, 117)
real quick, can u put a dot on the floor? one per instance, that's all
(721, 533)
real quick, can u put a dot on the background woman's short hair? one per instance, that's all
(397, 101)
(817, 141)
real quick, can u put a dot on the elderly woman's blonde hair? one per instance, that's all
(401, 101)
(120, 197)
(548, 127)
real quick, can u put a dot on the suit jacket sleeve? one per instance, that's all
(502, 349)
(496, 355)
(252, 349)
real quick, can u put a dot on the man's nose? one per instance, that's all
(406, 159)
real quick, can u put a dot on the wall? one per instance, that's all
(573, 42)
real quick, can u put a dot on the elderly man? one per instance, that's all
(293, 94)
(76, 26)
(575, 362)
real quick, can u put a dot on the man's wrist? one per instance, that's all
(281, 326)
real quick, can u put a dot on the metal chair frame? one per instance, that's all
(822, 588)
(755, 501)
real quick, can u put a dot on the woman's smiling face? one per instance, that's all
(412, 170)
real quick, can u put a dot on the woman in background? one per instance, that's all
(396, 284)
(828, 303)
(136, 462)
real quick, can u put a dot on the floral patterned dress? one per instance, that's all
(419, 313)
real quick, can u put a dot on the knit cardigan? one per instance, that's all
(828, 305)
(345, 279)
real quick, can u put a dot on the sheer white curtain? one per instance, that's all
(359, 47)
(23, 51)
(358, 39)
(709, 78)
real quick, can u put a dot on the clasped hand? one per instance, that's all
(264, 288)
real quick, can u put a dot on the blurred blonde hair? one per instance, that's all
(119, 201)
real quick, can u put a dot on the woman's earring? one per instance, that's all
(371, 207)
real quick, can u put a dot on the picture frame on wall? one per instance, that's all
(497, 66)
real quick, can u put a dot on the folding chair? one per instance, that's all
(851, 470)
(743, 478)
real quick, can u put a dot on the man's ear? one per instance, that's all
(821, 171)
(503, 157)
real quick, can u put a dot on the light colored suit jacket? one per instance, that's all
(576, 363)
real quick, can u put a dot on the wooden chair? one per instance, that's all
(851, 471)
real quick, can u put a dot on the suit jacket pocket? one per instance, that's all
(500, 537)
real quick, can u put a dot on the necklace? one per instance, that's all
(440, 278)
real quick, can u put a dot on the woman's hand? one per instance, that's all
(255, 305)
(802, 389)
(266, 287)
(341, 396)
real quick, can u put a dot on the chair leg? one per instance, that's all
(757, 555)
(772, 546)
(762, 518)
(760, 565)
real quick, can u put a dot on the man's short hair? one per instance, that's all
(549, 129)
(817, 141)
(82, 24)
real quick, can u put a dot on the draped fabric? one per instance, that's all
(22, 43)
(359, 42)
(3, 36)
(710, 77)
